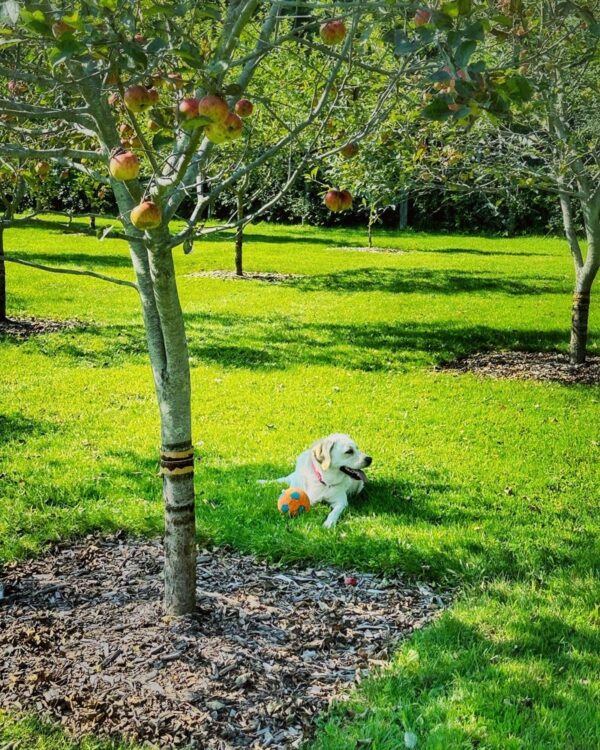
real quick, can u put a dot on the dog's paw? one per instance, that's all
(329, 524)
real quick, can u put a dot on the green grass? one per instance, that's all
(485, 485)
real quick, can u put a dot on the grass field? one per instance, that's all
(489, 486)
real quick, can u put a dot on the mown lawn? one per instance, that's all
(485, 485)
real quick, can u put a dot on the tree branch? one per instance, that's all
(73, 271)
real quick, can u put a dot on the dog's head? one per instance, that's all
(340, 452)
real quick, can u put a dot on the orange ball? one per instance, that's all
(293, 502)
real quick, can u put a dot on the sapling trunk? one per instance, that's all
(2, 276)
(173, 389)
(580, 316)
(239, 234)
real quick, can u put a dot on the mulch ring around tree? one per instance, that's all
(550, 366)
(24, 328)
(270, 276)
(84, 641)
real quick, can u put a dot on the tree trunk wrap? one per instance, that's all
(579, 327)
(2, 276)
(177, 469)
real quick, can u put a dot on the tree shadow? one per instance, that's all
(424, 281)
(17, 428)
(474, 251)
(263, 343)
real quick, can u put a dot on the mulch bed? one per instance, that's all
(84, 641)
(270, 276)
(24, 328)
(551, 366)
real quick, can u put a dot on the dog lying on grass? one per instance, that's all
(330, 471)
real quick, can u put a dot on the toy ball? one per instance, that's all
(293, 502)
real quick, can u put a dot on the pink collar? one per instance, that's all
(317, 473)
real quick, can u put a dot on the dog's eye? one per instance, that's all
(349, 451)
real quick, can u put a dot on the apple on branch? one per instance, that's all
(244, 108)
(124, 165)
(333, 32)
(147, 215)
(213, 108)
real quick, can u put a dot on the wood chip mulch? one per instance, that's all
(84, 641)
(270, 276)
(550, 366)
(24, 328)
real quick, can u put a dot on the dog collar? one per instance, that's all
(318, 473)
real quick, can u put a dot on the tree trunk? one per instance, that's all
(403, 211)
(173, 390)
(580, 316)
(2, 276)
(92, 222)
(370, 228)
(239, 235)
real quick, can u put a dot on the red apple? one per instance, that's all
(454, 107)
(188, 108)
(349, 150)
(42, 168)
(422, 16)
(61, 27)
(333, 32)
(213, 107)
(137, 99)
(244, 108)
(124, 165)
(139, 38)
(350, 581)
(333, 200)
(152, 96)
(345, 200)
(233, 126)
(146, 215)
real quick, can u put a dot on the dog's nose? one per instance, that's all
(368, 460)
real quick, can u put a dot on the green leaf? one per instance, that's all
(135, 54)
(474, 31)
(464, 7)
(35, 21)
(162, 139)
(195, 122)
(464, 52)
(233, 89)
(437, 109)
(399, 41)
(451, 9)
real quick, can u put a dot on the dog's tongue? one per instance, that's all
(355, 473)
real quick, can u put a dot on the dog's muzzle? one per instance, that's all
(357, 474)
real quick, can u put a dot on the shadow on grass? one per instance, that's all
(474, 251)
(422, 281)
(14, 427)
(255, 342)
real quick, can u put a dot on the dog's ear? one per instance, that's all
(322, 452)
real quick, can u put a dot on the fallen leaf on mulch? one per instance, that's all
(551, 366)
(270, 277)
(24, 328)
(84, 641)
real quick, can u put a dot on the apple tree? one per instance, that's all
(143, 99)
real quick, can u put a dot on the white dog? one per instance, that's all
(330, 471)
